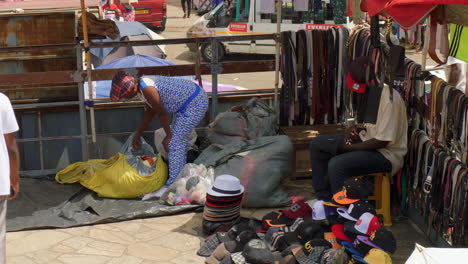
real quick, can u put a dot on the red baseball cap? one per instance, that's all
(338, 232)
(356, 78)
(298, 209)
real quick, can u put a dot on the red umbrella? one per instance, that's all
(407, 12)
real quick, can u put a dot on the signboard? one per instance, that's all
(238, 27)
(322, 26)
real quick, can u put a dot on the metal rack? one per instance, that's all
(7, 81)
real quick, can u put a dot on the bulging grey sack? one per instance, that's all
(260, 165)
(251, 120)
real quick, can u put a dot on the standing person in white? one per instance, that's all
(9, 165)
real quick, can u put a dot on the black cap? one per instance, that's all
(311, 244)
(256, 251)
(238, 244)
(381, 238)
(356, 209)
(306, 231)
(358, 188)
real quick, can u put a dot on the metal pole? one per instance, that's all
(277, 55)
(214, 77)
(83, 121)
(41, 144)
(426, 44)
(88, 68)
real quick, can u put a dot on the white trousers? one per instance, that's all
(3, 210)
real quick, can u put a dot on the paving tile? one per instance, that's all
(84, 259)
(43, 256)
(190, 257)
(152, 252)
(125, 260)
(178, 241)
(63, 249)
(111, 236)
(151, 235)
(10, 236)
(77, 242)
(130, 227)
(103, 249)
(20, 260)
(35, 241)
(77, 231)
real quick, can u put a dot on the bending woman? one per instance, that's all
(165, 95)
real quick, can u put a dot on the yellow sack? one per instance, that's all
(114, 177)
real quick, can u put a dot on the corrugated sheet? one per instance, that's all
(38, 29)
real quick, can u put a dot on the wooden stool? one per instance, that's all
(382, 196)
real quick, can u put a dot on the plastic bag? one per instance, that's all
(114, 177)
(136, 159)
(190, 186)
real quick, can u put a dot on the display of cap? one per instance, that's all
(278, 220)
(330, 237)
(356, 78)
(226, 185)
(332, 204)
(256, 251)
(311, 251)
(382, 238)
(348, 246)
(238, 258)
(233, 232)
(237, 245)
(361, 247)
(355, 210)
(375, 256)
(321, 211)
(365, 225)
(334, 256)
(298, 209)
(338, 232)
(210, 244)
(306, 231)
(354, 189)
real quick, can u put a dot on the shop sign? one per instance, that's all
(238, 27)
(322, 26)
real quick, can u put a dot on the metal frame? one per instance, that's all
(80, 76)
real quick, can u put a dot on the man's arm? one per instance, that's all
(13, 155)
(371, 144)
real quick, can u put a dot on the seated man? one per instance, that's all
(379, 147)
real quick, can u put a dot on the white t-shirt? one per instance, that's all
(392, 126)
(8, 125)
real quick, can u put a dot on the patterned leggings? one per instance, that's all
(181, 128)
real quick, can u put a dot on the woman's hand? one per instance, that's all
(166, 141)
(136, 141)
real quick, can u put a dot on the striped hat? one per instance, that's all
(121, 84)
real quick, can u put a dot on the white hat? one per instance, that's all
(318, 211)
(226, 185)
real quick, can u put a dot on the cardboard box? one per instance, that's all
(300, 137)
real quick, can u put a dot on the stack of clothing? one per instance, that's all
(98, 28)
(344, 230)
(223, 200)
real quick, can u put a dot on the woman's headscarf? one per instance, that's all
(121, 84)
